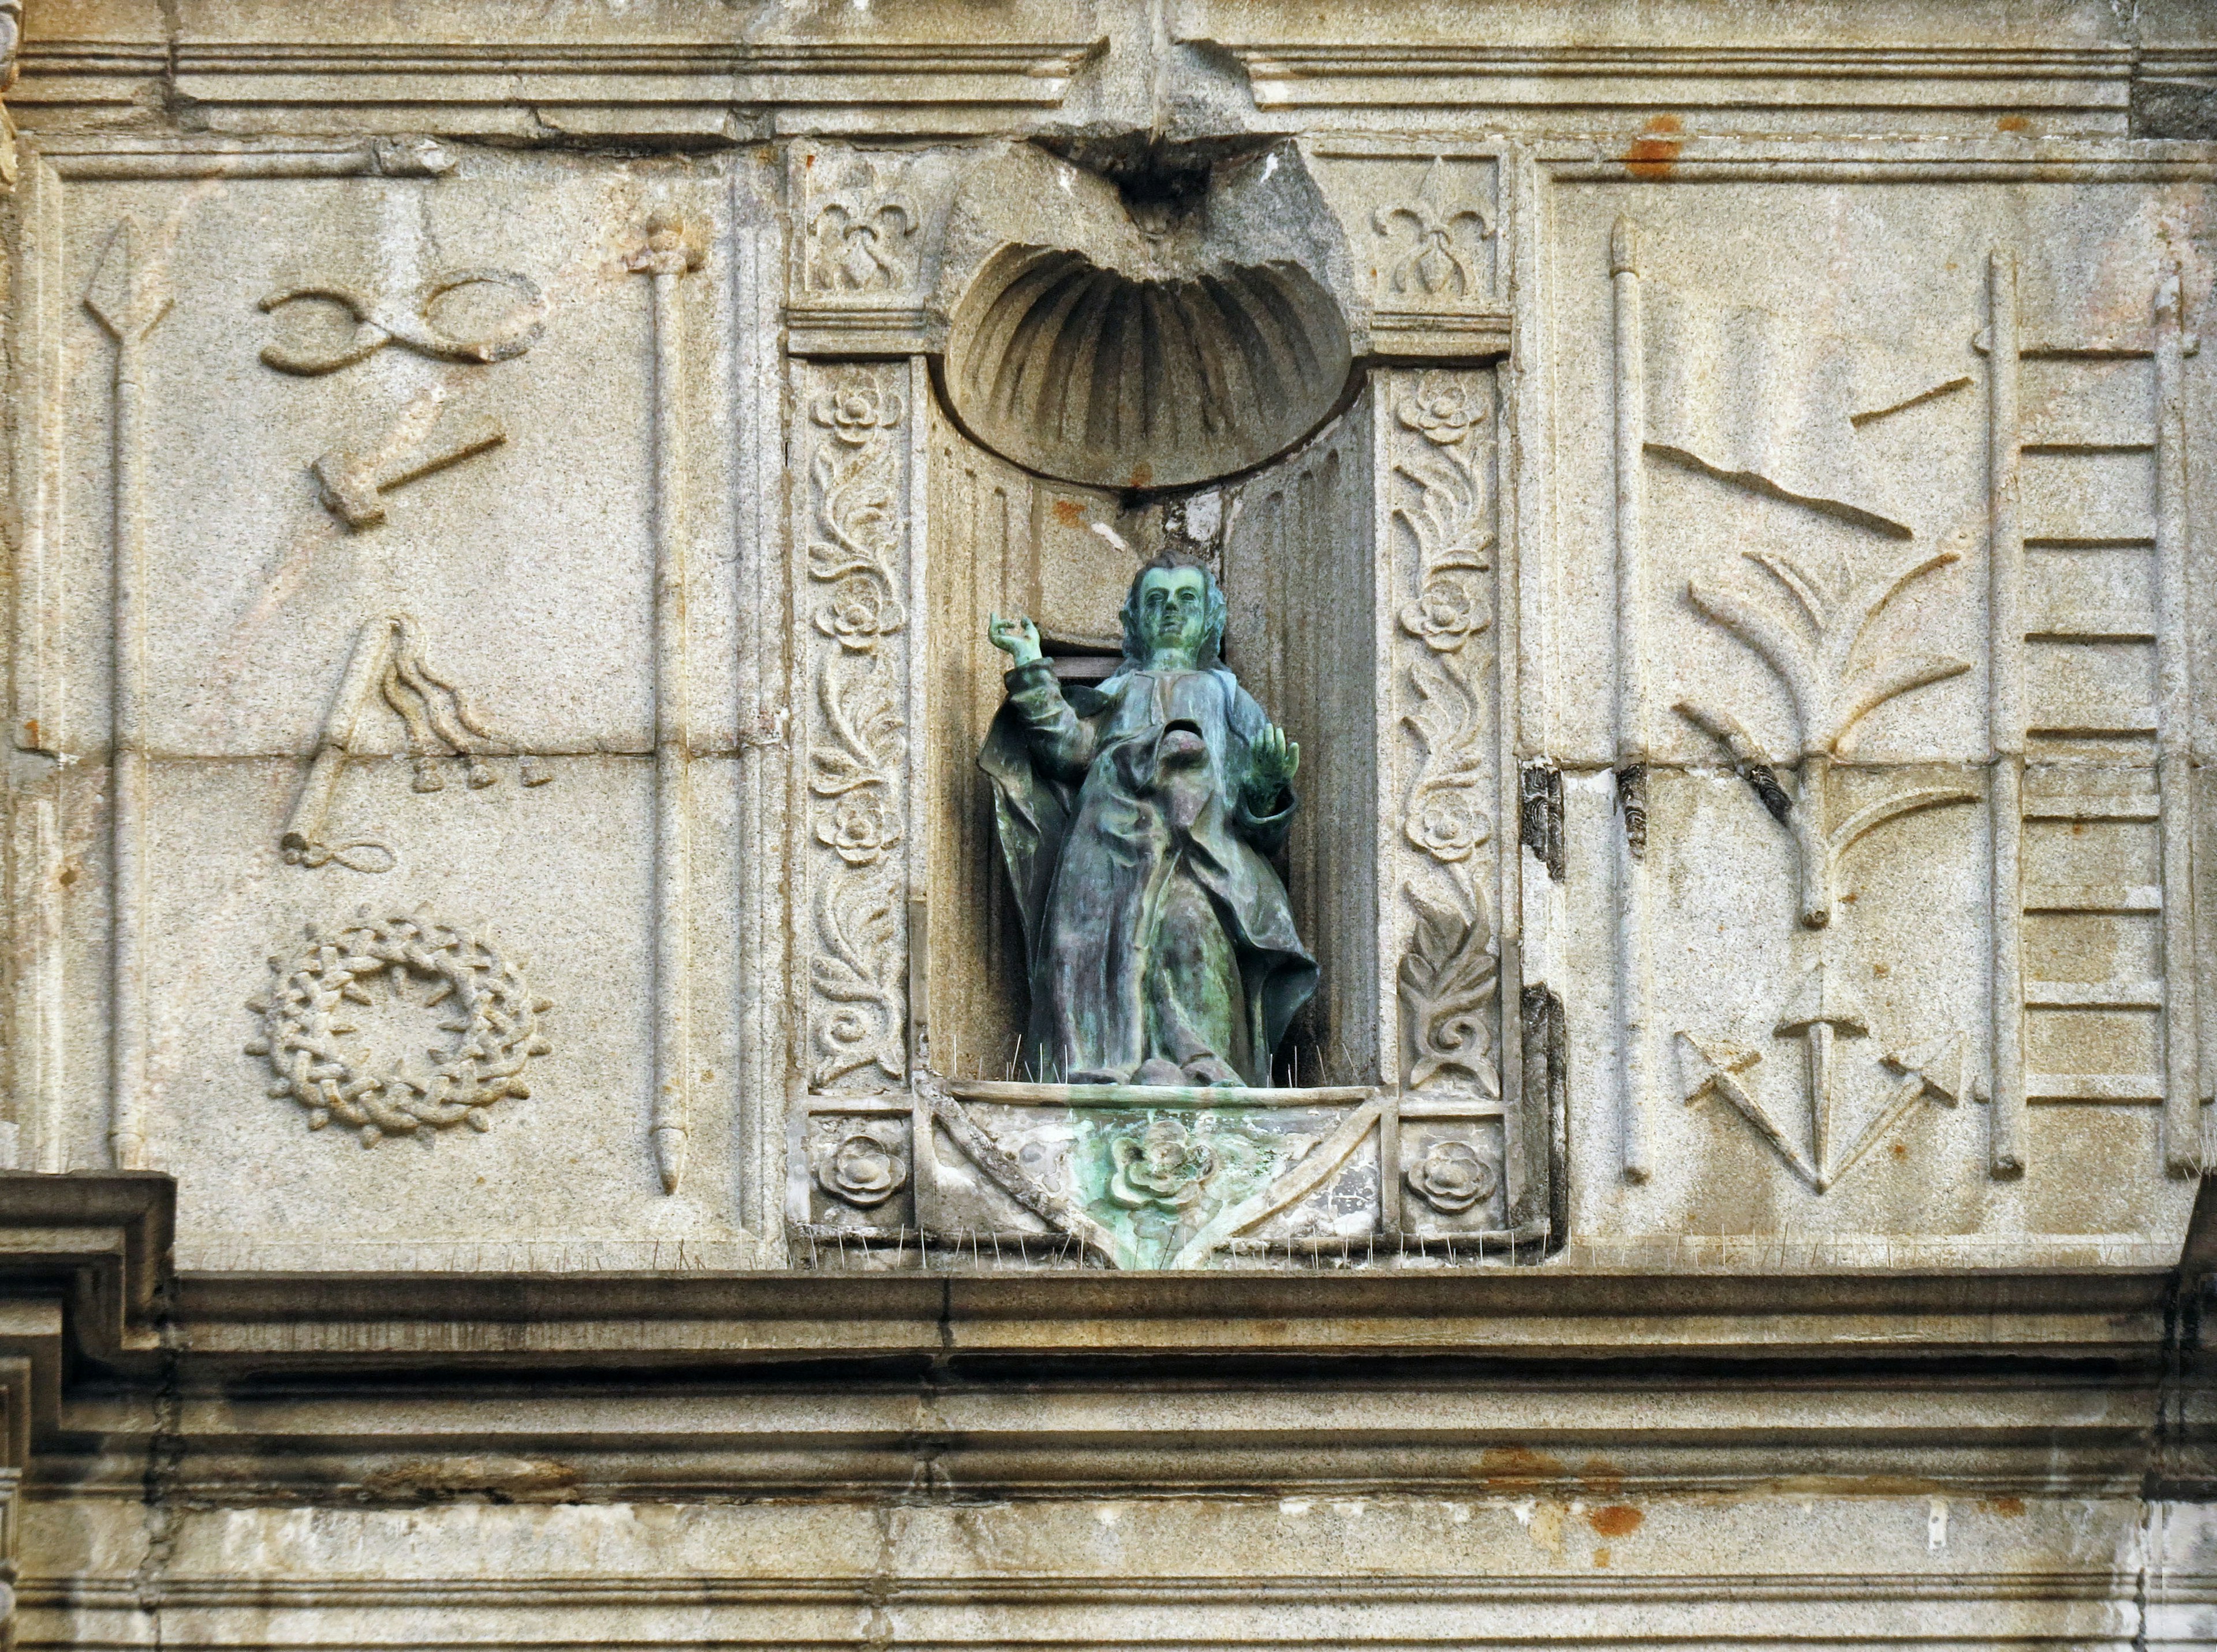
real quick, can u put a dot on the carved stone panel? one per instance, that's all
(360, 561)
(1893, 807)
(854, 434)
(868, 229)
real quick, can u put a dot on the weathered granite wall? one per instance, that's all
(516, 1129)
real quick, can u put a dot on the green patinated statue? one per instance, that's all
(1134, 822)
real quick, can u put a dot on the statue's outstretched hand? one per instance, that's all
(1018, 638)
(1273, 761)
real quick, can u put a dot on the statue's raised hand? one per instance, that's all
(1272, 762)
(1018, 638)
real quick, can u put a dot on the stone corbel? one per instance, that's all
(84, 1269)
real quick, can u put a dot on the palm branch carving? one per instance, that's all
(1817, 649)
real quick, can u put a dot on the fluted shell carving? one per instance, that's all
(1092, 375)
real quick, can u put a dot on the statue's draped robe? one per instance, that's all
(1154, 926)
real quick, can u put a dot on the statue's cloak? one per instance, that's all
(1095, 812)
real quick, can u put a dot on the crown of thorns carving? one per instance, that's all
(493, 1027)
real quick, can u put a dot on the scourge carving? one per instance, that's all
(1816, 648)
(388, 660)
(396, 972)
(855, 764)
(1448, 977)
(379, 320)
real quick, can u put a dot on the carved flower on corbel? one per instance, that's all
(856, 409)
(1165, 1165)
(1448, 612)
(861, 1170)
(1443, 407)
(1453, 1176)
(859, 612)
(860, 828)
(1447, 824)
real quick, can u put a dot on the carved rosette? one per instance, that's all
(1438, 426)
(852, 424)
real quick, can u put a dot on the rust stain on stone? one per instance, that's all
(1070, 513)
(1142, 474)
(1616, 1520)
(2009, 1507)
(2013, 123)
(1509, 1468)
(1601, 1477)
(1655, 152)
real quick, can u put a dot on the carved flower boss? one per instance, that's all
(1165, 1165)
(860, 828)
(1447, 824)
(859, 612)
(1452, 1177)
(856, 408)
(1448, 612)
(1443, 407)
(862, 1170)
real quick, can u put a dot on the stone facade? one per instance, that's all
(517, 1129)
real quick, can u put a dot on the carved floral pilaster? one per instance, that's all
(1438, 436)
(852, 424)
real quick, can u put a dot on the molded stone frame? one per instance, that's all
(1362, 571)
(2018, 700)
(157, 279)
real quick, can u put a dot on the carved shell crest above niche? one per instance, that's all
(1101, 344)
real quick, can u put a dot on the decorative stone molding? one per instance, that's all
(854, 429)
(1431, 227)
(1436, 432)
(1146, 1179)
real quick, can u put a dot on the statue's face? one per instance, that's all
(1174, 610)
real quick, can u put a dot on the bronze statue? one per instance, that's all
(1134, 822)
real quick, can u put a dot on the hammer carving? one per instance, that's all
(350, 483)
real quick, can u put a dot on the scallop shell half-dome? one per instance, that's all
(1091, 375)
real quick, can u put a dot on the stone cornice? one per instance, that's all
(1988, 1382)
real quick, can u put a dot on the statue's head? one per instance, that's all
(1174, 608)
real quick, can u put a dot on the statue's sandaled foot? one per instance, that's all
(1156, 1074)
(1213, 1071)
